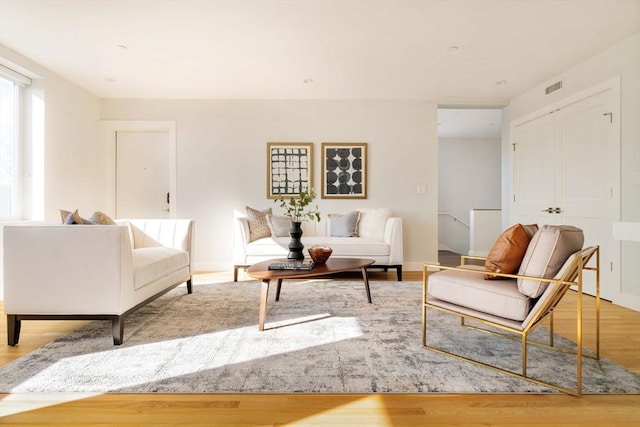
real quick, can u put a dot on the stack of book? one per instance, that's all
(292, 265)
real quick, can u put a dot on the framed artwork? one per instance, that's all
(344, 170)
(289, 168)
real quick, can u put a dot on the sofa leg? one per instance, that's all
(399, 273)
(117, 328)
(189, 288)
(235, 273)
(13, 329)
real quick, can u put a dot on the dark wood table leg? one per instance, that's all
(278, 289)
(263, 303)
(365, 277)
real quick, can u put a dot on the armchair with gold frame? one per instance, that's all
(570, 275)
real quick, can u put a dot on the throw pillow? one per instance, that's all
(507, 252)
(344, 225)
(373, 222)
(101, 218)
(73, 218)
(258, 224)
(548, 250)
(279, 225)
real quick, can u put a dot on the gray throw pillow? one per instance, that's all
(279, 225)
(344, 225)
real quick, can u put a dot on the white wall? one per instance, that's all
(222, 160)
(468, 178)
(73, 152)
(622, 59)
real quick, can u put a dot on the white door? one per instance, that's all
(142, 174)
(534, 179)
(566, 168)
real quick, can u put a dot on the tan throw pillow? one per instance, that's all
(548, 250)
(279, 225)
(258, 225)
(101, 218)
(73, 218)
(507, 252)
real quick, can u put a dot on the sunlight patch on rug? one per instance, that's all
(160, 361)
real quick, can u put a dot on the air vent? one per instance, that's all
(554, 87)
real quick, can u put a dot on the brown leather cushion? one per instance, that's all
(507, 252)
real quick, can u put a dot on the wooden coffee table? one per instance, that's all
(333, 265)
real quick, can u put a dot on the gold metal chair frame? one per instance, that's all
(573, 276)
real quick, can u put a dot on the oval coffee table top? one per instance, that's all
(333, 265)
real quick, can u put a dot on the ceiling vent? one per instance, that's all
(554, 87)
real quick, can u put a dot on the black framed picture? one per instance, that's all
(344, 170)
(289, 168)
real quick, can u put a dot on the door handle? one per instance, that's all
(548, 210)
(557, 210)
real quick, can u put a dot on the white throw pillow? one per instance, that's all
(373, 222)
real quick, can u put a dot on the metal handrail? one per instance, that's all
(455, 218)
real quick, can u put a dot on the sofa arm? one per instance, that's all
(393, 237)
(240, 239)
(66, 269)
(170, 233)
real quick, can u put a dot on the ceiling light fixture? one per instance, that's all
(453, 48)
(121, 46)
(501, 82)
(308, 81)
(110, 79)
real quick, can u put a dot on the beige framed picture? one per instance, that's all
(344, 172)
(289, 168)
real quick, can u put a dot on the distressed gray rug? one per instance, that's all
(321, 337)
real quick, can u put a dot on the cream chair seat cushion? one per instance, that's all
(468, 289)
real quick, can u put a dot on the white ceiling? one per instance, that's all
(477, 123)
(349, 49)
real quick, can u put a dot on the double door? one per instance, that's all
(566, 171)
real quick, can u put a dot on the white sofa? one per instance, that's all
(386, 250)
(92, 271)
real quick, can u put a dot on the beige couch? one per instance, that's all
(92, 271)
(380, 238)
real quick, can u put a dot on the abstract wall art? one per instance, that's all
(344, 170)
(289, 168)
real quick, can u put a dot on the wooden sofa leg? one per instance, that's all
(117, 328)
(189, 288)
(13, 329)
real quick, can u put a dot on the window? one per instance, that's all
(11, 144)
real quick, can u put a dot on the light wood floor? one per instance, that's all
(620, 341)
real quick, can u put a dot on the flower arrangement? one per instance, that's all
(298, 207)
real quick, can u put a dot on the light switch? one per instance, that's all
(421, 189)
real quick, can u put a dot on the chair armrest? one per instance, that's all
(66, 269)
(393, 237)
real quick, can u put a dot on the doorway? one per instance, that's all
(469, 175)
(141, 169)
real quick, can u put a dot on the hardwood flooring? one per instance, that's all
(620, 341)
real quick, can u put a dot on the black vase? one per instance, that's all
(295, 245)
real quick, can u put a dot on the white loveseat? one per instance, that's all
(382, 242)
(92, 271)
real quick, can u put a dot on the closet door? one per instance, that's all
(535, 170)
(580, 180)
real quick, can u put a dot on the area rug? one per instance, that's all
(321, 337)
